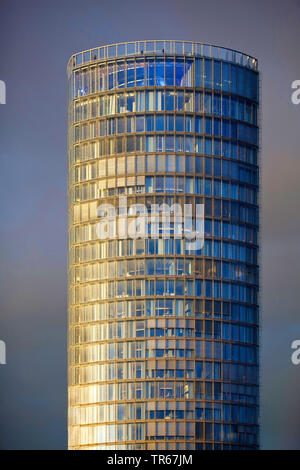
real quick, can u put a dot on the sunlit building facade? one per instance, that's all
(163, 340)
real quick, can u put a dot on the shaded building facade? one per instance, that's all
(163, 339)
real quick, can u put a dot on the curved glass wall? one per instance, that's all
(163, 339)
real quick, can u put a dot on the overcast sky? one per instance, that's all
(36, 40)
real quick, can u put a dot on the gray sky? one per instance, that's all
(36, 41)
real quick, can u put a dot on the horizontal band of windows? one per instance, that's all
(125, 391)
(233, 251)
(161, 430)
(164, 328)
(167, 287)
(208, 411)
(96, 149)
(212, 228)
(84, 277)
(228, 311)
(191, 72)
(133, 165)
(227, 106)
(171, 143)
(166, 445)
(102, 373)
(164, 267)
(167, 349)
(89, 192)
(206, 389)
(160, 123)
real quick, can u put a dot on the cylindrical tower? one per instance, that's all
(163, 338)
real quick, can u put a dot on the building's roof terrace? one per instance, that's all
(138, 48)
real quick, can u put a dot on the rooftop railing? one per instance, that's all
(138, 48)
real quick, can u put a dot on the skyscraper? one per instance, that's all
(163, 335)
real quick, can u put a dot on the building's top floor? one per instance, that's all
(140, 48)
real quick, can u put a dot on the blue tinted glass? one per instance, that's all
(159, 287)
(248, 113)
(150, 101)
(170, 184)
(110, 77)
(121, 75)
(178, 247)
(160, 143)
(207, 187)
(207, 103)
(189, 164)
(241, 80)
(208, 125)
(199, 374)
(234, 108)
(180, 101)
(198, 185)
(130, 74)
(169, 73)
(169, 98)
(160, 123)
(150, 73)
(150, 267)
(198, 287)
(225, 106)
(140, 124)
(149, 287)
(149, 123)
(225, 77)
(217, 167)
(159, 101)
(170, 122)
(199, 145)
(140, 73)
(233, 130)
(217, 147)
(208, 166)
(217, 104)
(189, 124)
(179, 123)
(241, 110)
(225, 128)
(198, 125)
(207, 73)
(188, 73)
(253, 85)
(199, 72)
(217, 75)
(199, 102)
(189, 185)
(159, 73)
(149, 184)
(169, 140)
(130, 102)
(217, 127)
(179, 72)
(189, 144)
(208, 146)
(159, 184)
(234, 80)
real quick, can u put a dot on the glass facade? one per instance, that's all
(163, 340)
